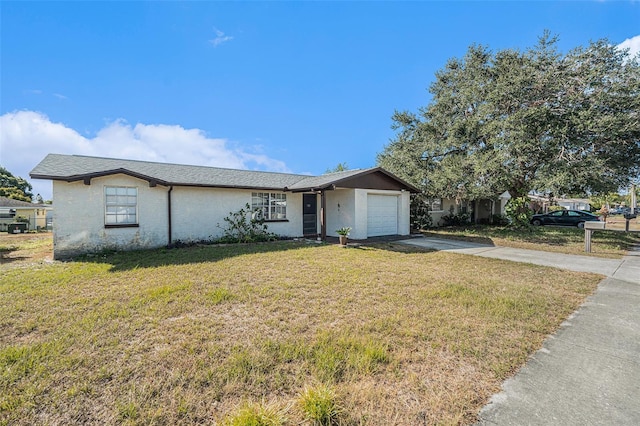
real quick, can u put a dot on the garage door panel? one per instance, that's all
(382, 215)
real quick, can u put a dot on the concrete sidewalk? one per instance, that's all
(588, 372)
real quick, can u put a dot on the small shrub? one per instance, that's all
(21, 219)
(320, 406)
(245, 226)
(554, 208)
(344, 231)
(500, 220)
(419, 213)
(456, 219)
(518, 211)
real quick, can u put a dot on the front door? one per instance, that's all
(309, 214)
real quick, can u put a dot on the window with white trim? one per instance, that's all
(272, 205)
(121, 205)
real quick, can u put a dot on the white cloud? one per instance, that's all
(633, 44)
(26, 137)
(59, 96)
(220, 38)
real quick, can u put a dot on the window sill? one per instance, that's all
(276, 220)
(123, 225)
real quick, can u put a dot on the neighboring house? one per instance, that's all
(482, 210)
(479, 211)
(11, 209)
(574, 203)
(105, 203)
(541, 204)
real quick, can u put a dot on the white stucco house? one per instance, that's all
(107, 203)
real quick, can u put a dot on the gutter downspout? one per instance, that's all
(323, 216)
(169, 213)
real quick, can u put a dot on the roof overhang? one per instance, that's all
(345, 181)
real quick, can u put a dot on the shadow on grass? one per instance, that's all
(5, 252)
(4, 259)
(400, 248)
(617, 238)
(200, 253)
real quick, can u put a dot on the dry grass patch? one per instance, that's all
(546, 238)
(25, 249)
(210, 334)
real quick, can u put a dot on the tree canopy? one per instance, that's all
(341, 167)
(521, 121)
(14, 187)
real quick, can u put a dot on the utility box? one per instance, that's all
(17, 228)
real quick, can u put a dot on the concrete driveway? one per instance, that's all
(626, 269)
(588, 372)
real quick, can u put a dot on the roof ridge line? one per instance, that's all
(181, 164)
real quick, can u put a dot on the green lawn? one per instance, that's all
(546, 238)
(282, 332)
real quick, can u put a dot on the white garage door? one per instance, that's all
(382, 215)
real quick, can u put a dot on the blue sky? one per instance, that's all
(280, 86)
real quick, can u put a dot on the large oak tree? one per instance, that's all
(521, 121)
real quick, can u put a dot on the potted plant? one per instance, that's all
(343, 234)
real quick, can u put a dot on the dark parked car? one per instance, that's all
(564, 218)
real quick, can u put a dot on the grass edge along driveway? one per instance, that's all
(558, 239)
(282, 333)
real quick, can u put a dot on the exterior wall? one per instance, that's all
(353, 211)
(197, 212)
(361, 212)
(37, 217)
(404, 213)
(341, 211)
(78, 219)
(449, 206)
(504, 199)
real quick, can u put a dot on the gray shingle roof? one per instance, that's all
(323, 181)
(10, 202)
(78, 167)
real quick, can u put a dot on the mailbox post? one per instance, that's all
(589, 227)
(627, 218)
